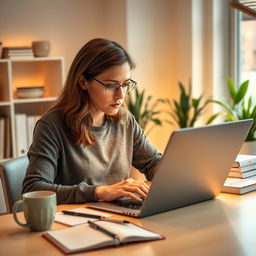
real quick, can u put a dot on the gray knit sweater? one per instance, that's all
(74, 171)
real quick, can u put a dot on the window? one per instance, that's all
(247, 51)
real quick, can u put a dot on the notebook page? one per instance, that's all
(129, 232)
(76, 220)
(79, 238)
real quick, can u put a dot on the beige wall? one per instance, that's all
(159, 35)
(158, 38)
(67, 24)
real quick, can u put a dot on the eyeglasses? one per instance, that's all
(114, 87)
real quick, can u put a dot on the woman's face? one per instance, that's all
(108, 103)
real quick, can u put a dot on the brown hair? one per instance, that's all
(94, 57)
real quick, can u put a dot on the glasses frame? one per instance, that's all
(116, 88)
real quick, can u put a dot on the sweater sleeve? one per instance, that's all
(145, 156)
(43, 168)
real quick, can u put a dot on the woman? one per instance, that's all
(84, 147)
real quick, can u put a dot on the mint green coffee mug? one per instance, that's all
(39, 209)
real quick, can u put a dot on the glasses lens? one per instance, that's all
(131, 85)
(110, 88)
(126, 87)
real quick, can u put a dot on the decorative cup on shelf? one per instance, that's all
(39, 210)
(41, 48)
(30, 92)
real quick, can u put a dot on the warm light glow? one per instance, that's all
(28, 83)
(18, 42)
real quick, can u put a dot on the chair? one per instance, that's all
(12, 173)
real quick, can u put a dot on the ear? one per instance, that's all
(83, 82)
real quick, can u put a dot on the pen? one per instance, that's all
(94, 216)
(115, 220)
(79, 214)
(103, 230)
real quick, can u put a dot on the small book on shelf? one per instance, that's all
(2, 135)
(7, 142)
(17, 52)
(244, 160)
(85, 238)
(21, 134)
(239, 186)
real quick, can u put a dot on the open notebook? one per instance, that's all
(85, 238)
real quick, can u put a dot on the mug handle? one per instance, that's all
(14, 211)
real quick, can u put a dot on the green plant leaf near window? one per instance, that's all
(239, 107)
(186, 111)
(144, 109)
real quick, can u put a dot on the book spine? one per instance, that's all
(2, 140)
(21, 134)
(231, 190)
(244, 169)
(3, 205)
(31, 121)
(242, 175)
(7, 137)
(244, 162)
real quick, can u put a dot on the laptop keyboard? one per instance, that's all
(128, 202)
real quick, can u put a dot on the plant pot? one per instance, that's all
(248, 148)
(41, 48)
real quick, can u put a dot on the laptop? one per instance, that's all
(193, 169)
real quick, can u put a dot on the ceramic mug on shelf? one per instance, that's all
(39, 210)
(41, 48)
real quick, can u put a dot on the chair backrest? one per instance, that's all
(12, 173)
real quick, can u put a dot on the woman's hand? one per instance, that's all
(123, 188)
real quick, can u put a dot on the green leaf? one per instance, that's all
(232, 89)
(195, 102)
(157, 121)
(212, 118)
(241, 92)
(227, 107)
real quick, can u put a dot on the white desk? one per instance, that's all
(224, 226)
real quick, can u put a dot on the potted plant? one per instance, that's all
(239, 108)
(146, 114)
(186, 111)
(144, 109)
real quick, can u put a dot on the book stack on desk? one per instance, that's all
(243, 167)
(242, 175)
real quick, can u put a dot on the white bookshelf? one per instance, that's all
(48, 71)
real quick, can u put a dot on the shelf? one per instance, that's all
(33, 59)
(20, 72)
(5, 103)
(32, 100)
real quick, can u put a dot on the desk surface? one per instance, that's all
(223, 226)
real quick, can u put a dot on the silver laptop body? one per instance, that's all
(193, 169)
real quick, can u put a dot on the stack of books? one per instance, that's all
(18, 52)
(242, 175)
(243, 167)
